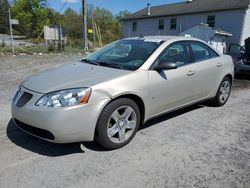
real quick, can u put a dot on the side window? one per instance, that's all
(134, 26)
(202, 52)
(173, 23)
(211, 20)
(161, 24)
(175, 53)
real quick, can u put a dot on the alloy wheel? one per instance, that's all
(224, 91)
(121, 124)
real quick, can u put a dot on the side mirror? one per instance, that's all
(166, 66)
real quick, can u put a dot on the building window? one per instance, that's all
(161, 25)
(211, 21)
(173, 23)
(134, 26)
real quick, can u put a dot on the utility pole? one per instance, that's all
(11, 34)
(84, 16)
(93, 28)
(60, 36)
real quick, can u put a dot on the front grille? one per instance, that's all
(23, 99)
(35, 131)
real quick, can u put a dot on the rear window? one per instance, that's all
(202, 52)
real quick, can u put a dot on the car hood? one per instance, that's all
(71, 76)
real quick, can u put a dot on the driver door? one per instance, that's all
(169, 89)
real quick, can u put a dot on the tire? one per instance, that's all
(219, 100)
(117, 123)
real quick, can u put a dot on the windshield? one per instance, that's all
(124, 54)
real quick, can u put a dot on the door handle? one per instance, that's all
(191, 73)
(219, 64)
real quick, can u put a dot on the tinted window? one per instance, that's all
(202, 51)
(211, 21)
(161, 25)
(175, 53)
(173, 23)
(134, 26)
(235, 48)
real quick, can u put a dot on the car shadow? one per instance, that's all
(40, 146)
(46, 148)
(242, 77)
(96, 147)
(173, 114)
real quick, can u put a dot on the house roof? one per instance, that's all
(217, 31)
(222, 32)
(187, 7)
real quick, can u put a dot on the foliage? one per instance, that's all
(3, 44)
(72, 23)
(32, 16)
(51, 48)
(4, 15)
(110, 25)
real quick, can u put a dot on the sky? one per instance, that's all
(114, 6)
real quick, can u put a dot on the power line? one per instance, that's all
(63, 5)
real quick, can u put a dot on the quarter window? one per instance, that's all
(134, 26)
(161, 25)
(211, 21)
(173, 23)
(202, 52)
(175, 53)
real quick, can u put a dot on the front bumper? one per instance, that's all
(59, 125)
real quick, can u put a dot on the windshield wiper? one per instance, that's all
(101, 63)
(89, 61)
(110, 65)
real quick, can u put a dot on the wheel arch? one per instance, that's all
(230, 77)
(138, 100)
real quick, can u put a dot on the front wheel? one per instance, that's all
(118, 123)
(223, 92)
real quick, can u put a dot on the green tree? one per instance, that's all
(122, 14)
(105, 20)
(110, 25)
(72, 23)
(32, 16)
(54, 17)
(4, 15)
(119, 18)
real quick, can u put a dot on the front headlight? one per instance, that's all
(65, 98)
(17, 91)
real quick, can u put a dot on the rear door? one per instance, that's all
(169, 89)
(209, 66)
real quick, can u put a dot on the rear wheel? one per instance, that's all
(223, 92)
(118, 123)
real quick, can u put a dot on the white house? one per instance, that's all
(232, 16)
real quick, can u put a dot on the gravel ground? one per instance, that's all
(200, 146)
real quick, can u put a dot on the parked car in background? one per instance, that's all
(241, 57)
(110, 93)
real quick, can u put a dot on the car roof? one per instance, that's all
(161, 38)
(165, 38)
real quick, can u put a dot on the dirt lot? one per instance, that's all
(200, 146)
